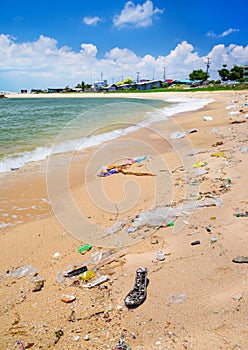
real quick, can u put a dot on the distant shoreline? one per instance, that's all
(151, 95)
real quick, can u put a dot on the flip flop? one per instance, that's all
(138, 294)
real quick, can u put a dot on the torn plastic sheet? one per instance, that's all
(162, 216)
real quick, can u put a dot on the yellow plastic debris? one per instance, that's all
(199, 164)
(87, 275)
(218, 154)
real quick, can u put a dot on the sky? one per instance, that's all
(58, 43)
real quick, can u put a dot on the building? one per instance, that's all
(245, 72)
(109, 88)
(149, 85)
(99, 85)
(53, 90)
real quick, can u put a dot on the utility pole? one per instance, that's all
(138, 74)
(153, 76)
(164, 73)
(208, 63)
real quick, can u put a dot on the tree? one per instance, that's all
(128, 81)
(198, 75)
(236, 73)
(81, 86)
(224, 73)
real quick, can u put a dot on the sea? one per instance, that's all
(32, 129)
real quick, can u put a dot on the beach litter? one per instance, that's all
(85, 248)
(177, 298)
(244, 149)
(207, 118)
(234, 113)
(192, 131)
(67, 298)
(38, 283)
(163, 216)
(241, 260)
(121, 168)
(56, 255)
(195, 243)
(231, 107)
(218, 143)
(87, 275)
(22, 271)
(97, 281)
(138, 294)
(199, 164)
(178, 135)
(218, 154)
(242, 215)
(76, 271)
(122, 345)
(58, 335)
(160, 255)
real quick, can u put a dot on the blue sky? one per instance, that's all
(58, 43)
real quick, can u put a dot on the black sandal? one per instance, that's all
(138, 294)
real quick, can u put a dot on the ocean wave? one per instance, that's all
(10, 163)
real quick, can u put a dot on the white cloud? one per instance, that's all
(92, 21)
(89, 50)
(229, 31)
(137, 16)
(42, 63)
(225, 33)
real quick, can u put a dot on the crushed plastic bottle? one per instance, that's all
(26, 270)
(157, 217)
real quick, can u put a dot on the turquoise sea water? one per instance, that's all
(33, 128)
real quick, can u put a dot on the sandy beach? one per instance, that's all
(196, 296)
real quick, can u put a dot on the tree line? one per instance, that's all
(235, 73)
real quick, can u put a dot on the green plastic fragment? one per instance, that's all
(171, 223)
(85, 248)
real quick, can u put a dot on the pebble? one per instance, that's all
(86, 337)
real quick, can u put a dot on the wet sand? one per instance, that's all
(196, 297)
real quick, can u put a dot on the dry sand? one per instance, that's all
(196, 298)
